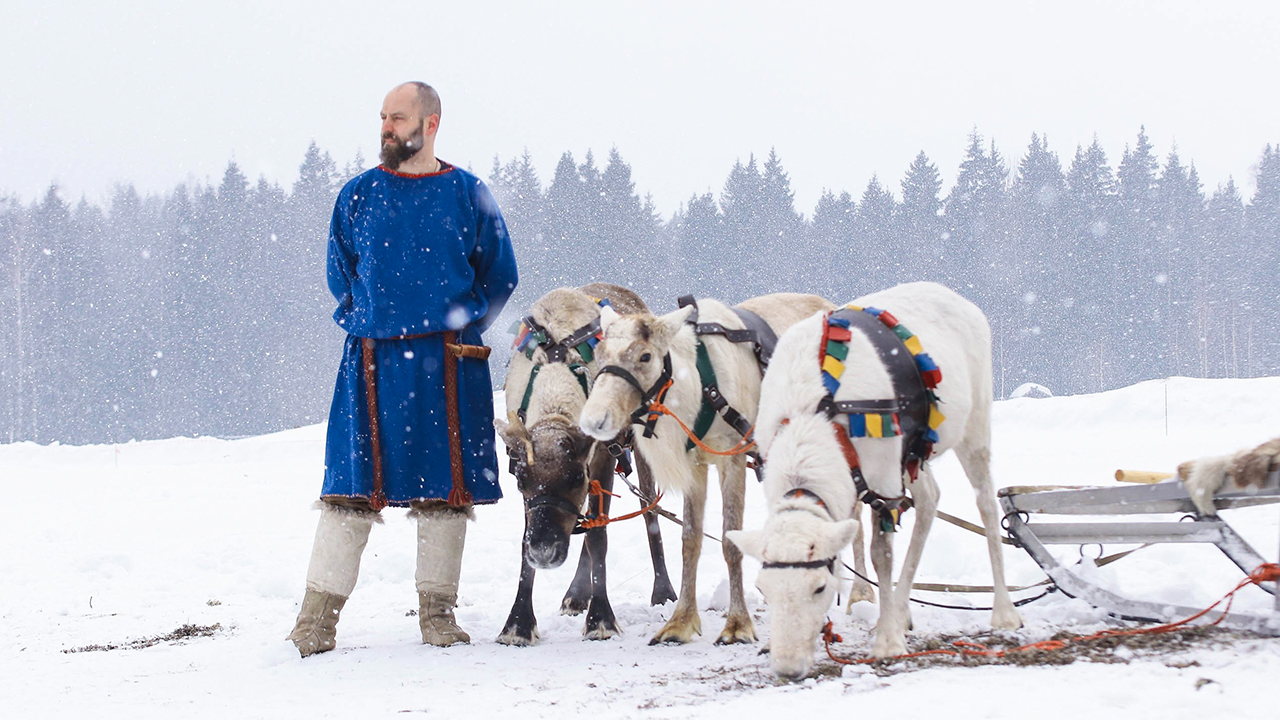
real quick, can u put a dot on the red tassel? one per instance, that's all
(459, 497)
(837, 333)
(931, 378)
(888, 319)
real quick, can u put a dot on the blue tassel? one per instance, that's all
(925, 363)
(831, 383)
(842, 322)
(857, 425)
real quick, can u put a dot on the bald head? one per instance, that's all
(427, 97)
(410, 118)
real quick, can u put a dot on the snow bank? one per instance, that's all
(106, 544)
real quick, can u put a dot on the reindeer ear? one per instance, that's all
(511, 429)
(750, 542)
(607, 316)
(835, 537)
(673, 321)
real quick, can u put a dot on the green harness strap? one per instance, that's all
(706, 413)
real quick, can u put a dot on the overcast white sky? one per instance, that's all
(156, 92)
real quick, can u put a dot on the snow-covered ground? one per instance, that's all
(106, 544)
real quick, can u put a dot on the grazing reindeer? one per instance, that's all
(555, 464)
(701, 372)
(858, 369)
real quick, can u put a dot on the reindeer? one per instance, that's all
(819, 470)
(555, 464)
(654, 372)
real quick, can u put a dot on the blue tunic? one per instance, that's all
(408, 255)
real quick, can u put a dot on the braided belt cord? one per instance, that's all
(459, 496)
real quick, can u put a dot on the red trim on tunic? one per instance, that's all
(444, 168)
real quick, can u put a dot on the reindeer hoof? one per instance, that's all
(603, 631)
(737, 630)
(662, 595)
(683, 625)
(885, 647)
(601, 623)
(516, 638)
(1006, 619)
(860, 592)
(573, 606)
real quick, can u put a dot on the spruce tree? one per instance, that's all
(1039, 247)
(872, 249)
(742, 204)
(834, 272)
(920, 224)
(698, 236)
(1221, 309)
(1262, 227)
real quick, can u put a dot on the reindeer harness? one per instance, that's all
(828, 563)
(763, 340)
(912, 413)
(530, 335)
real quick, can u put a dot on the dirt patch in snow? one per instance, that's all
(182, 634)
(1171, 647)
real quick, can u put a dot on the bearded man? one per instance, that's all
(420, 264)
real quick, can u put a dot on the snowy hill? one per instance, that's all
(102, 545)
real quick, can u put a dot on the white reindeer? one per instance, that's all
(636, 356)
(809, 484)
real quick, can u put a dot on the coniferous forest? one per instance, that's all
(203, 310)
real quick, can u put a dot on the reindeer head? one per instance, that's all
(637, 345)
(800, 551)
(552, 462)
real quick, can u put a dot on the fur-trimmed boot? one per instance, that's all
(441, 536)
(341, 536)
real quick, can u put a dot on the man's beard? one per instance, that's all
(396, 151)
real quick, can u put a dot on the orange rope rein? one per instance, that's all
(1267, 572)
(596, 489)
(745, 445)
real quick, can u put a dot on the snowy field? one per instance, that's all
(104, 545)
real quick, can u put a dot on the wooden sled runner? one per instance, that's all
(1020, 504)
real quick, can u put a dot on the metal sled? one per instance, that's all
(1022, 503)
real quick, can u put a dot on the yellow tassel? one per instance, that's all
(874, 428)
(833, 367)
(913, 345)
(935, 417)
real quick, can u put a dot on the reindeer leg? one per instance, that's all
(522, 627)
(684, 622)
(578, 596)
(861, 589)
(601, 623)
(895, 609)
(977, 466)
(738, 627)
(882, 560)
(662, 590)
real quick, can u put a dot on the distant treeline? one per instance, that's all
(203, 310)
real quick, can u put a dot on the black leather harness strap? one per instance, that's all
(911, 397)
(829, 564)
(655, 393)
